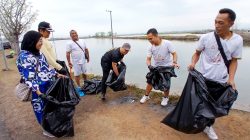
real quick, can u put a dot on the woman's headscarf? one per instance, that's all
(29, 42)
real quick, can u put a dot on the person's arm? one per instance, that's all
(49, 57)
(232, 70)
(148, 61)
(28, 71)
(38, 92)
(115, 69)
(195, 59)
(68, 59)
(87, 53)
(175, 64)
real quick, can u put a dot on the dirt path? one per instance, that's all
(119, 118)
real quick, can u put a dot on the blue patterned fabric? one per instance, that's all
(42, 79)
(26, 64)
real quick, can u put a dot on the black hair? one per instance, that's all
(152, 31)
(29, 42)
(228, 11)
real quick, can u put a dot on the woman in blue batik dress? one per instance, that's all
(35, 71)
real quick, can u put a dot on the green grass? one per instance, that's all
(155, 96)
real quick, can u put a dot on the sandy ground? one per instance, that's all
(119, 118)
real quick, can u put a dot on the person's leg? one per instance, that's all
(148, 89)
(146, 96)
(84, 76)
(166, 94)
(77, 79)
(84, 71)
(210, 131)
(77, 73)
(165, 99)
(38, 103)
(105, 74)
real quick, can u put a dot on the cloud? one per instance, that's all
(134, 16)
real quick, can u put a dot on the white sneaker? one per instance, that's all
(144, 99)
(164, 101)
(45, 133)
(210, 133)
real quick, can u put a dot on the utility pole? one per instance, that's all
(110, 14)
(2, 48)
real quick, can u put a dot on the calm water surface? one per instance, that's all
(137, 69)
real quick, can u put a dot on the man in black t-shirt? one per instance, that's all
(109, 62)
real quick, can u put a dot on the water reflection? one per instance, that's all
(137, 69)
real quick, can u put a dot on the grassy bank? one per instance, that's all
(138, 92)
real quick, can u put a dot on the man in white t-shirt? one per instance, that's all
(77, 48)
(212, 65)
(163, 54)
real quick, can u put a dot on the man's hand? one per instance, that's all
(88, 60)
(176, 65)
(232, 83)
(70, 65)
(150, 67)
(191, 66)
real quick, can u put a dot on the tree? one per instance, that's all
(102, 34)
(97, 34)
(109, 33)
(16, 17)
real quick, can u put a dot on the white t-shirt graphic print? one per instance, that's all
(212, 65)
(161, 54)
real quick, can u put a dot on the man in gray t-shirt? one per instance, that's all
(212, 65)
(163, 54)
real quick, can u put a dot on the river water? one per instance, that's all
(137, 69)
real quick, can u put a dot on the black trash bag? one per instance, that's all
(117, 83)
(59, 110)
(160, 76)
(93, 86)
(202, 101)
(63, 64)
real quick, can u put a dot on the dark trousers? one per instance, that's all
(105, 74)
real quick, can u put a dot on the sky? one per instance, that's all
(135, 16)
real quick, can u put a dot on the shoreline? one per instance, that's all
(120, 117)
(179, 37)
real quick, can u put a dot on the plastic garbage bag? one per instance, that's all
(92, 86)
(160, 76)
(202, 101)
(59, 110)
(117, 83)
(63, 64)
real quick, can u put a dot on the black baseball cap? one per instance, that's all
(45, 25)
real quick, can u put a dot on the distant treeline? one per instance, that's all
(191, 36)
